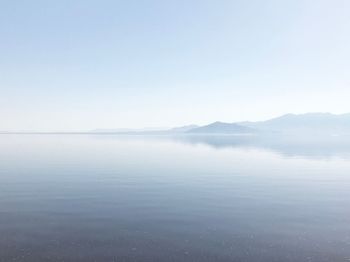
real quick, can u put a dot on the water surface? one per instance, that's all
(133, 198)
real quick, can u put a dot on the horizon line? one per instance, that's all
(125, 130)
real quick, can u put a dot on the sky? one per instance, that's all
(74, 65)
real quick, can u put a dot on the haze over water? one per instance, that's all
(135, 198)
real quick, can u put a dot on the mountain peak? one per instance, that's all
(318, 122)
(222, 128)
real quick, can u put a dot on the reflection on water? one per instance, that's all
(313, 147)
(180, 198)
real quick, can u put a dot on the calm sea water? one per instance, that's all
(114, 198)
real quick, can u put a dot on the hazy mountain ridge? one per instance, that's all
(184, 128)
(308, 123)
(305, 123)
(291, 124)
(222, 128)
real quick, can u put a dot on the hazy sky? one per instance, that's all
(85, 64)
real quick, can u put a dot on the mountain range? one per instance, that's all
(309, 123)
(291, 124)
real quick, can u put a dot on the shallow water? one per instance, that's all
(133, 198)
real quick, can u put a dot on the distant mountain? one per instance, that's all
(146, 131)
(292, 124)
(129, 130)
(222, 128)
(305, 123)
(182, 129)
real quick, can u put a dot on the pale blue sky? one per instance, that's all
(85, 64)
